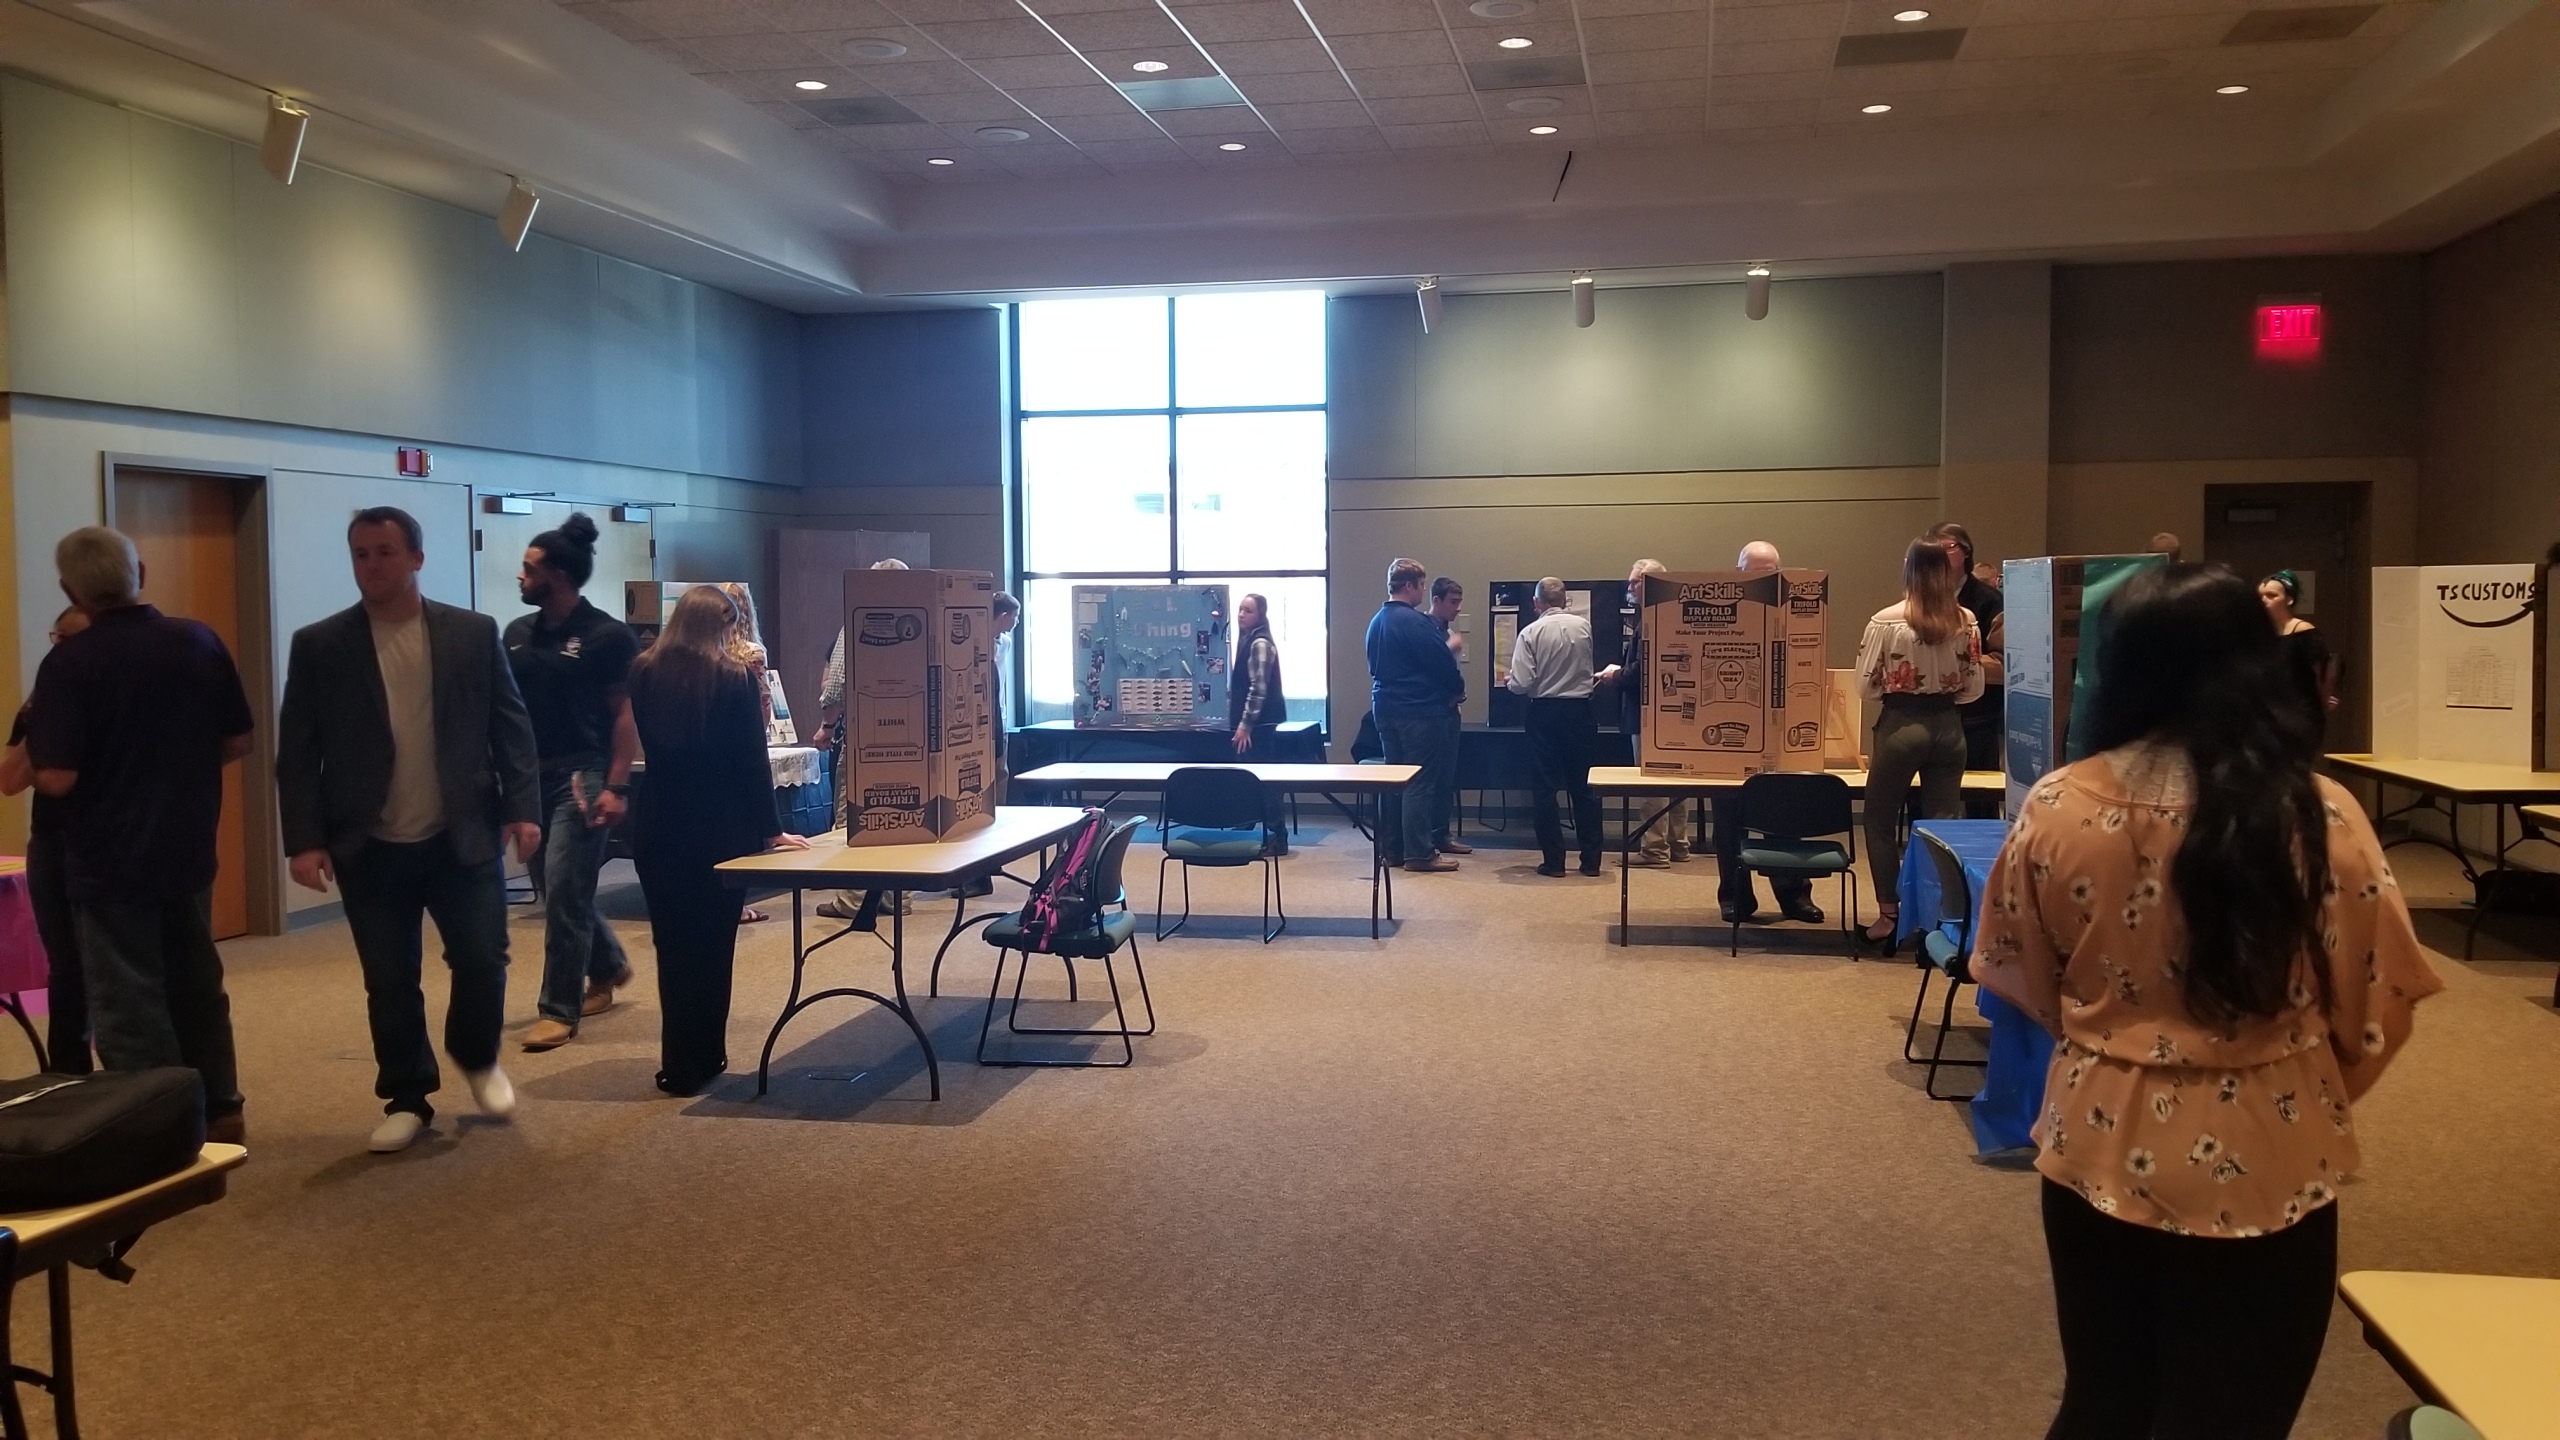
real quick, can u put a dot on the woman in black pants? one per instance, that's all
(2212, 935)
(1922, 659)
(706, 796)
(49, 892)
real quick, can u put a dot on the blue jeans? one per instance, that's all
(1405, 831)
(388, 889)
(1446, 783)
(577, 945)
(155, 990)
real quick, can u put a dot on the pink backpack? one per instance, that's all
(1063, 900)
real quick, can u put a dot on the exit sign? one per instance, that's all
(2289, 330)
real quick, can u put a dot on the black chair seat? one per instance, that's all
(1117, 927)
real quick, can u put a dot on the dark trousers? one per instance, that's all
(578, 947)
(1405, 830)
(2185, 1337)
(1985, 723)
(1446, 784)
(693, 921)
(155, 990)
(1915, 738)
(388, 889)
(1265, 740)
(1562, 734)
(1733, 879)
(66, 995)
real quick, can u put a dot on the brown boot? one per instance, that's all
(548, 1034)
(600, 996)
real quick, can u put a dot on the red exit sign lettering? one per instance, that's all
(2289, 330)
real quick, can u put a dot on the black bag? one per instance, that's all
(71, 1139)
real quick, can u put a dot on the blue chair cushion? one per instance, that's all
(1820, 855)
(1117, 927)
(1197, 845)
(1940, 949)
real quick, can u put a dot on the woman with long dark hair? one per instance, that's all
(2212, 935)
(706, 796)
(1921, 658)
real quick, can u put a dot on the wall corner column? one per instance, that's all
(1995, 431)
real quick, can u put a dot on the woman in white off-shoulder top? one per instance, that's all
(1922, 658)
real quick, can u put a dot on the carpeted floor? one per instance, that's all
(1492, 1175)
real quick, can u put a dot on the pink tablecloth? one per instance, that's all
(22, 963)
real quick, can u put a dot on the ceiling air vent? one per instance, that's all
(1527, 72)
(1206, 92)
(861, 110)
(2276, 27)
(1899, 47)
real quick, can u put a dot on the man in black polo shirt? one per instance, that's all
(571, 661)
(134, 719)
(1985, 719)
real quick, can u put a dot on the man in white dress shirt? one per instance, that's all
(1551, 665)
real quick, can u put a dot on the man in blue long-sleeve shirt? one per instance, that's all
(1414, 687)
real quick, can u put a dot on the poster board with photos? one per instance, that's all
(1151, 657)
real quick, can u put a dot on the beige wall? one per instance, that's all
(2492, 409)
(1853, 523)
(2113, 507)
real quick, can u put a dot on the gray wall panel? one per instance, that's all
(908, 398)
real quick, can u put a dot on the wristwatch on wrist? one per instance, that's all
(622, 789)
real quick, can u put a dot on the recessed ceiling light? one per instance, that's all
(1150, 67)
(876, 49)
(1542, 129)
(2231, 90)
(940, 160)
(1873, 109)
(1534, 105)
(1910, 17)
(1003, 134)
(1516, 42)
(808, 84)
(1232, 145)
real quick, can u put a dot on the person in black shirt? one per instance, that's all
(1986, 719)
(49, 890)
(572, 662)
(134, 720)
(2307, 656)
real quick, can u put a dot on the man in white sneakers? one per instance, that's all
(403, 751)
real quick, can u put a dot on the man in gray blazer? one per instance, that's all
(403, 752)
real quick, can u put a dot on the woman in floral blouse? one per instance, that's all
(2211, 933)
(1922, 658)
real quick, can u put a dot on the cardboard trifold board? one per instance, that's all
(1736, 672)
(919, 709)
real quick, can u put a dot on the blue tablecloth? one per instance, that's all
(2013, 1085)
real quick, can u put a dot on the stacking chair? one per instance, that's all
(1213, 817)
(1943, 954)
(1111, 929)
(1787, 819)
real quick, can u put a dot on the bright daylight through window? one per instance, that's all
(1163, 441)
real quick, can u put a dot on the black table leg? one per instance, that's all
(798, 1002)
(13, 1419)
(66, 1411)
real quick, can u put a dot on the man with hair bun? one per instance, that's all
(572, 661)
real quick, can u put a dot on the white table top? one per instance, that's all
(42, 1232)
(1017, 830)
(1628, 780)
(1129, 775)
(2463, 778)
(2548, 815)
(2489, 1345)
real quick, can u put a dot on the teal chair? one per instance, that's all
(1787, 820)
(1213, 818)
(1944, 953)
(1109, 930)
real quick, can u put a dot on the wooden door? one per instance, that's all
(2318, 532)
(187, 530)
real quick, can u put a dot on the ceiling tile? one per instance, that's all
(1272, 57)
(1432, 137)
(972, 106)
(1044, 161)
(1651, 32)
(1425, 109)
(1324, 114)
(1055, 8)
(1137, 154)
(1773, 56)
(799, 15)
(1094, 99)
(2042, 12)
(1389, 48)
(921, 12)
(1402, 80)
(1999, 42)
(922, 77)
(1655, 94)
(753, 52)
(1180, 62)
(1870, 16)
(1574, 101)
(994, 39)
(1847, 112)
(1120, 30)
(675, 53)
(1126, 125)
(1221, 120)
(1781, 22)
(1034, 72)
(1652, 122)
(1305, 87)
(2132, 9)
(1634, 65)
(1589, 9)
(1757, 114)
(1783, 85)
(2163, 32)
(684, 19)
(1362, 17)
(1270, 20)
(1484, 42)
(1341, 141)
(891, 137)
(1994, 100)
(1888, 82)
(611, 19)
(784, 84)
(791, 115)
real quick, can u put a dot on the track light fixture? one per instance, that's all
(1427, 292)
(1583, 305)
(515, 218)
(281, 150)
(1755, 293)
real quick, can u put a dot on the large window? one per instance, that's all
(1171, 441)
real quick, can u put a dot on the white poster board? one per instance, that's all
(2453, 663)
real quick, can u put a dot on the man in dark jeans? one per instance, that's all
(1551, 668)
(134, 719)
(1414, 686)
(1448, 600)
(571, 662)
(403, 751)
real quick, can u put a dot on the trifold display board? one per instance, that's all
(1509, 604)
(919, 703)
(1736, 678)
(1151, 657)
(2461, 664)
(2053, 608)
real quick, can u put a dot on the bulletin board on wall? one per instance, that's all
(1151, 657)
(1509, 609)
(626, 550)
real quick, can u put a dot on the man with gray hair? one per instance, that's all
(133, 720)
(1551, 665)
(1733, 880)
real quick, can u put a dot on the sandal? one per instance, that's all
(1886, 942)
(751, 915)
